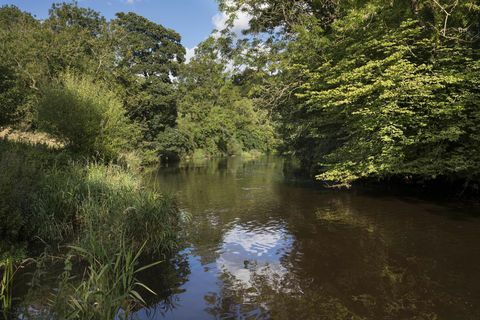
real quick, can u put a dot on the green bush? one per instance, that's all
(174, 144)
(87, 116)
(10, 96)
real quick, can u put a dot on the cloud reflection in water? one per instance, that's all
(247, 250)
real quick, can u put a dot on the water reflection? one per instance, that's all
(262, 246)
(245, 251)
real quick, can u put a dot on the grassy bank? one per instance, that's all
(100, 216)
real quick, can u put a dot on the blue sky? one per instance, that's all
(193, 19)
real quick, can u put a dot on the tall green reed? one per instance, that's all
(6, 267)
(108, 288)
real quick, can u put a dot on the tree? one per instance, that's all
(216, 111)
(383, 89)
(77, 38)
(22, 67)
(10, 96)
(72, 38)
(148, 57)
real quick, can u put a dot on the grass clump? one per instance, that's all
(108, 289)
(60, 201)
(100, 214)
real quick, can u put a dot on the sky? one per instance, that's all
(193, 19)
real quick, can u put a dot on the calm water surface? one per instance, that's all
(265, 246)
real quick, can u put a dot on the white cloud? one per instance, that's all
(239, 24)
(190, 53)
(261, 249)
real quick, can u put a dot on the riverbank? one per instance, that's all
(89, 216)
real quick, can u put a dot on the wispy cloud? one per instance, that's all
(239, 24)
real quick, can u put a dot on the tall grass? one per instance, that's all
(64, 201)
(6, 269)
(108, 288)
(102, 212)
(98, 204)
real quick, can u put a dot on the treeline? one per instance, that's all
(353, 89)
(366, 89)
(107, 88)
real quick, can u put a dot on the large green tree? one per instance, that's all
(34, 54)
(215, 109)
(373, 89)
(21, 67)
(148, 58)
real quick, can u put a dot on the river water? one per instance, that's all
(262, 245)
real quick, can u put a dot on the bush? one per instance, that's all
(10, 96)
(174, 144)
(87, 116)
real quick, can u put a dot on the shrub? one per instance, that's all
(10, 96)
(174, 144)
(87, 116)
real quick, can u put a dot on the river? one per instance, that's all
(263, 245)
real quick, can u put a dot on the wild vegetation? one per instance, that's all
(70, 152)
(52, 69)
(355, 90)
(49, 199)
(368, 89)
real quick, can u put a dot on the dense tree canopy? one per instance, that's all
(149, 55)
(214, 110)
(178, 108)
(366, 89)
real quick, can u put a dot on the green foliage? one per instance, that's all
(72, 38)
(21, 69)
(11, 98)
(87, 116)
(220, 118)
(148, 56)
(101, 204)
(373, 89)
(76, 39)
(104, 210)
(174, 144)
(109, 286)
(45, 196)
(17, 182)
